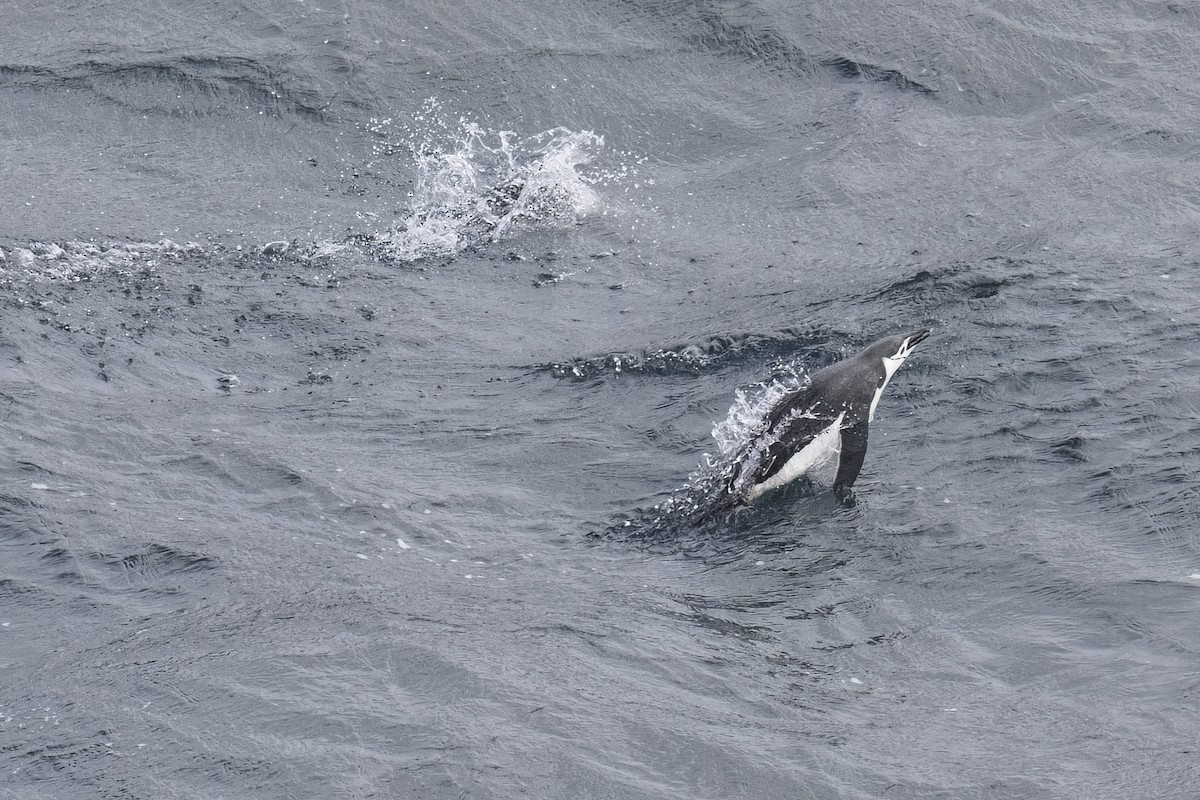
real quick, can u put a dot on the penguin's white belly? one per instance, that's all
(825, 446)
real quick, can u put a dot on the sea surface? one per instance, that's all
(367, 371)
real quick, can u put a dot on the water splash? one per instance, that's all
(473, 185)
(72, 262)
(470, 186)
(747, 416)
(714, 488)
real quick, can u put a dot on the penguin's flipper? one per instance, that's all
(854, 451)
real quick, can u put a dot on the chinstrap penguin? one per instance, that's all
(827, 417)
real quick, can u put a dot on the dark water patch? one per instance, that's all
(1071, 448)
(1161, 142)
(43, 762)
(7, 401)
(756, 618)
(21, 520)
(961, 283)
(188, 85)
(234, 771)
(64, 562)
(818, 612)
(343, 350)
(768, 47)
(368, 517)
(1157, 497)
(1052, 399)
(1026, 383)
(26, 595)
(849, 67)
(234, 468)
(155, 573)
(157, 563)
(698, 613)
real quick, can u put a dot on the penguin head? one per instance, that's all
(891, 353)
(894, 349)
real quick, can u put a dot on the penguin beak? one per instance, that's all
(913, 339)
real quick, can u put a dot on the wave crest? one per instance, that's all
(687, 358)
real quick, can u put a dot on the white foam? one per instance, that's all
(747, 415)
(72, 262)
(473, 184)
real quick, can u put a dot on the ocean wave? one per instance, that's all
(687, 358)
(197, 84)
(767, 46)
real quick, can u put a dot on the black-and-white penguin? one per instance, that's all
(827, 417)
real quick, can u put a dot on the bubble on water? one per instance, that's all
(72, 262)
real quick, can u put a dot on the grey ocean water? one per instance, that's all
(340, 341)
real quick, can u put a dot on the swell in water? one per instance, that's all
(685, 358)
